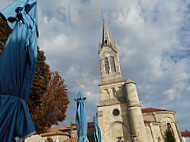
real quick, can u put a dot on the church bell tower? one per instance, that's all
(112, 108)
(117, 117)
(109, 58)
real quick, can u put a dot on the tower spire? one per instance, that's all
(106, 36)
(109, 58)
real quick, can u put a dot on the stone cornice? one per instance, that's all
(108, 82)
(136, 105)
(161, 112)
(112, 101)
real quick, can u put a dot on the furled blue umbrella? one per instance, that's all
(81, 118)
(97, 131)
(17, 69)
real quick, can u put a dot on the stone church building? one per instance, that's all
(120, 115)
(119, 111)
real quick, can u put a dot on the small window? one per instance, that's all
(113, 68)
(159, 139)
(116, 112)
(107, 68)
(106, 41)
(114, 92)
(169, 127)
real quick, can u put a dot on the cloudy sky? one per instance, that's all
(153, 38)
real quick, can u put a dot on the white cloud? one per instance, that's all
(150, 39)
(4, 3)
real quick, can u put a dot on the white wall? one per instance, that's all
(186, 139)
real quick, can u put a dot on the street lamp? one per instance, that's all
(71, 131)
(120, 139)
(134, 138)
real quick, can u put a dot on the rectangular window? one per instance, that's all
(107, 68)
(113, 68)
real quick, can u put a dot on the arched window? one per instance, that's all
(107, 68)
(107, 94)
(159, 139)
(169, 127)
(106, 41)
(114, 92)
(113, 68)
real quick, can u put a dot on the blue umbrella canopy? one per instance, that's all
(81, 118)
(17, 69)
(97, 131)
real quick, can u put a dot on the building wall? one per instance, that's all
(163, 118)
(149, 134)
(38, 138)
(135, 114)
(35, 138)
(112, 126)
(153, 132)
(186, 139)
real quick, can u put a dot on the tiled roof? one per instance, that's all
(61, 130)
(73, 140)
(147, 122)
(186, 133)
(145, 110)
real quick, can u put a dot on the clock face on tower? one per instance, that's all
(107, 54)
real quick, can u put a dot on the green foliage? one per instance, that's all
(49, 139)
(169, 137)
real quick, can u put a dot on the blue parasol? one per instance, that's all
(81, 118)
(97, 131)
(17, 69)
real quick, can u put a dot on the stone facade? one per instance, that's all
(119, 110)
(158, 120)
(112, 114)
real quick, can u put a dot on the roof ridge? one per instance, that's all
(150, 109)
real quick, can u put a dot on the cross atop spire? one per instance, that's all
(106, 36)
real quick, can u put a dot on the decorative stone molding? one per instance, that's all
(112, 80)
(112, 101)
(100, 113)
